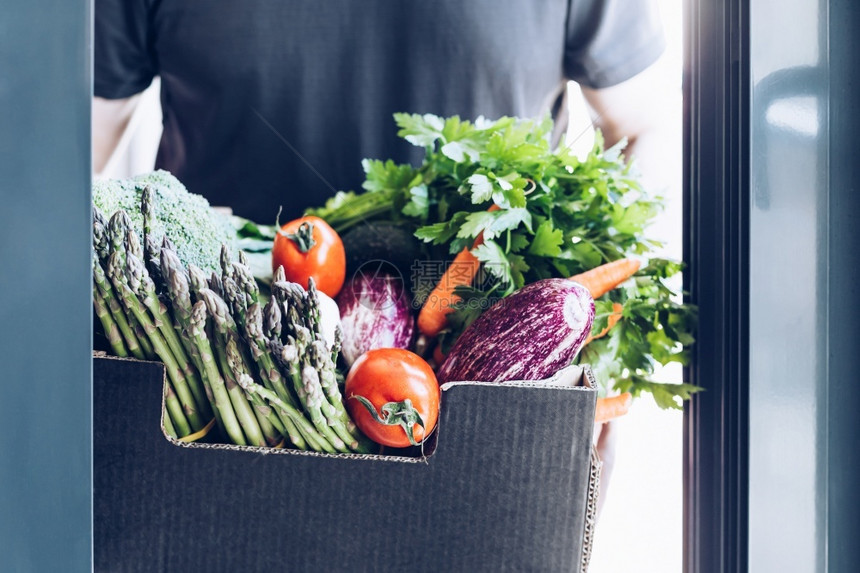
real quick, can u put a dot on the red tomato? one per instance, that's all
(309, 247)
(392, 380)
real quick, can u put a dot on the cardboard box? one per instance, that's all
(509, 484)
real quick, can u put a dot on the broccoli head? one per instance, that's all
(187, 219)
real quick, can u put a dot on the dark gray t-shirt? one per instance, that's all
(275, 102)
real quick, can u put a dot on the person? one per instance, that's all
(268, 104)
(276, 103)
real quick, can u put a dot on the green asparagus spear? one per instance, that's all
(133, 306)
(105, 290)
(268, 370)
(292, 298)
(117, 233)
(223, 403)
(235, 300)
(132, 245)
(100, 237)
(244, 412)
(306, 383)
(215, 284)
(334, 432)
(331, 406)
(118, 227)
(247, 284)
(142, 285)
(279, 275)
(319, 356)
(226, 325)
(224, 260)
(302, 323)
(263, 410)
(197, 279)
(243, 259)
(168, 424)
(152, 260)
(142, 338)
(180, 299)
(217, 309)
(110, 328)
(312, 304)
(317, 442)
(272, 319)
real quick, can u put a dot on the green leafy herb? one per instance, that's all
(547, 241)
(558, 215)
(495, 262)
(418, 205)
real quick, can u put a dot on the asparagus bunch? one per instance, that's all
(261, 369)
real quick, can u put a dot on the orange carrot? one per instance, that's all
(611, 321)
(612, 407)
(600, 280)
(433, 316)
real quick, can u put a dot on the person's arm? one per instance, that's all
(644, 110)
(110, 119)
(124, 65)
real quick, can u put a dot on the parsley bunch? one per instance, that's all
(558, 216)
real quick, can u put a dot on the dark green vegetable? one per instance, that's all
(382, 241)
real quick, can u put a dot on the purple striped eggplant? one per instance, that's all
(528, 335)
(375, 312)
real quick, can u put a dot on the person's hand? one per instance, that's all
(606, 439)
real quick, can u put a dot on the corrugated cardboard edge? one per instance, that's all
(574, 377)
(593, 488)
(591, 510)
